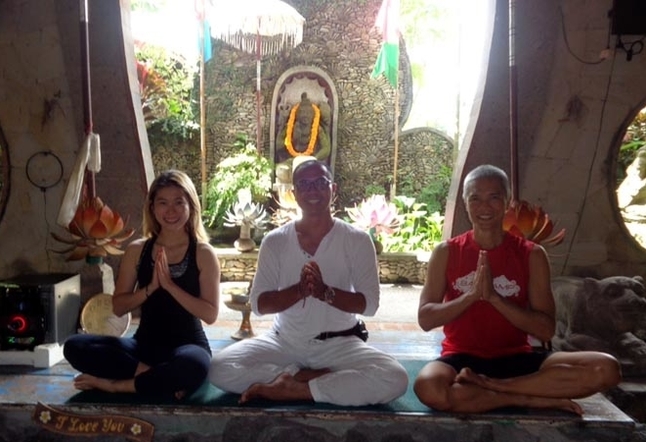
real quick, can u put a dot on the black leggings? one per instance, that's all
(502, 367)
(180, 369)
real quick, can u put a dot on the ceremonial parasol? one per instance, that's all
(260, 27)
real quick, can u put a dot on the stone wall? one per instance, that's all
(340, 40)
(403, 268)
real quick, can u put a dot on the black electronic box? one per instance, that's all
(38, 309)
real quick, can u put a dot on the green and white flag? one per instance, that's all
(388, 59)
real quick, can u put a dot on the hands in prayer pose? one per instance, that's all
(315, 274)
(490, 291)
(172, 274)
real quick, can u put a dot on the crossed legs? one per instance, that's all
(113, 365)
(342, 371)
(560, 378)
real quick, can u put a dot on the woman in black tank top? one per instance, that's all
(172, 275)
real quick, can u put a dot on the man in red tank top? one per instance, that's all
(491, 290)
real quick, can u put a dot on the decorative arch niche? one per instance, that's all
(290, 86)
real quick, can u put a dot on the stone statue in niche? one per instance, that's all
(304, 130)
(606, 315)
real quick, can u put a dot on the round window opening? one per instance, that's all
(631, 178)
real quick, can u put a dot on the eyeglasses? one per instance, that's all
(317, 184)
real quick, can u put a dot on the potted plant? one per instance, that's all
(419, 229)
(242, 170)
(248, 215)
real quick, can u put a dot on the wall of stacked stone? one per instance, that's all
(339, 38)
(402, 268)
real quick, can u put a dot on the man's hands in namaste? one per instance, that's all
(483, 283)
(311, 283)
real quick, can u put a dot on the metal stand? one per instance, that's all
(245, 331)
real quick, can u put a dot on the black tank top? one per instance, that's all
(164, 323)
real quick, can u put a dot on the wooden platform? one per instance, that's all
(218, 418)
(23, 387)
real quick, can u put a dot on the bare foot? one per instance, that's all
(284, 388)
(141, 368)
(467, 376)
(559, 404)
(89, 382)
(307, 374)
(179, 395)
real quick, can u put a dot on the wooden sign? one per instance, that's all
(74, 424)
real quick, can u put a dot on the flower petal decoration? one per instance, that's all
(96, 231)
(374, 214)
(245, 212)
(531, 222)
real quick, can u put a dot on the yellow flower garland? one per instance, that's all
(313, 134)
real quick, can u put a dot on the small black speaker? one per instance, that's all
(38, 309)
(23, 319)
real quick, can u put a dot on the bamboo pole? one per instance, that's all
(513, 102)
(393, 188)
(87, 89)
(202, 113)
(258, 95)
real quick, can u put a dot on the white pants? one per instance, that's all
(360, 374)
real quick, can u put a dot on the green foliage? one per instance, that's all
(419, 230)
(424, 21)
(634, 139)
(243, 170)
(374, 189)
(420, 213)
(167, 90)
(147, 5)
(433, 195)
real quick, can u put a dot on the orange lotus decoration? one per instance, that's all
(96, 231)
(531, 222)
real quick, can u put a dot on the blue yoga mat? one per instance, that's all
(208, 395)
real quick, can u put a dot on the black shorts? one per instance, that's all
(502, 367)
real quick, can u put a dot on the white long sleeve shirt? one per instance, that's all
(347, 259)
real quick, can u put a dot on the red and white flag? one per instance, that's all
(388, 59)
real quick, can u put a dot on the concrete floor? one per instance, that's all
(398, 305)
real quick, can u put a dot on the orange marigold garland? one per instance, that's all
(313, 133)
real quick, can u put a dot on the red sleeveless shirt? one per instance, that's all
(481, 330)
